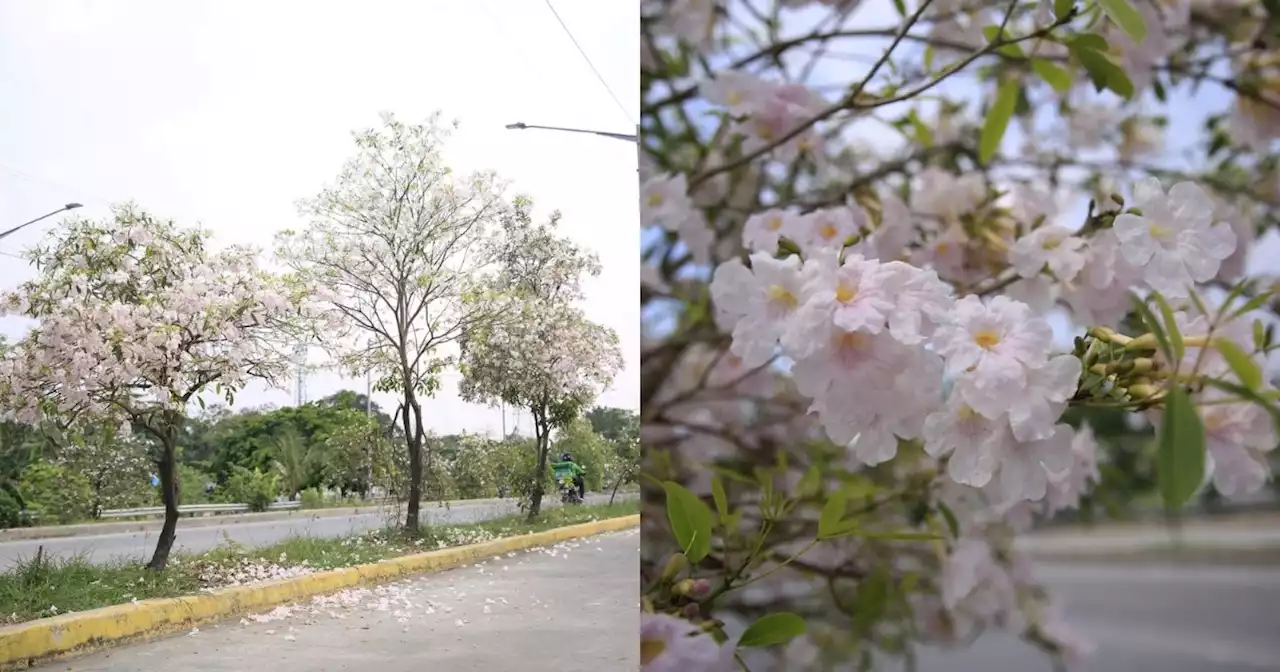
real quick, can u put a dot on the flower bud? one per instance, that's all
(1143, 391)
(690, 611)
(1143, 342)
(1143, 365)
(675, 565)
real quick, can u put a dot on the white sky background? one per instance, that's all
(225, 113)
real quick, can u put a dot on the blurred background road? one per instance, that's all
(1212, 607)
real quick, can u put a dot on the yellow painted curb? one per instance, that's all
(36, 641)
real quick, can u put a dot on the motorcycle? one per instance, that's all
(569, 491)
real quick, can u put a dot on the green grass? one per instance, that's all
(40, 587)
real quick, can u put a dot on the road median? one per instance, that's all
(44, 639)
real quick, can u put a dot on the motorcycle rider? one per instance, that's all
(567, 467)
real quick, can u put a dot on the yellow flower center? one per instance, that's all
(941, 248)
(1158, 232)
(965, 413)
(846, 293)
(735, 97)
(849, 341)
(986, 339)
(774, 223)
(655, 199)
(650, 649)
(1051, 243)
(828, 231)
(782, 296)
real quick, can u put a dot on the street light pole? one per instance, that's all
(520, 126)
(65, 208)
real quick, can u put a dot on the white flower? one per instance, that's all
(1236, 436)
(761, 231)
(1175, 239)
(759, 301)
(996, 340)
(1066, 488)
(665, 202)
(1051, 246)
(853, 294)
(826, 229)
(670, 644)
(974, 441)
(1026, 467)
(922, 301)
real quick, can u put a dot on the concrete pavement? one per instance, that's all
(1150, 617)
(103, 548)
(568, 608)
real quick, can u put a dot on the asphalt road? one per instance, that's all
(104, 548)
(567, 608)
(1152, 617)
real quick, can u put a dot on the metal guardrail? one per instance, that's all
(196, 509)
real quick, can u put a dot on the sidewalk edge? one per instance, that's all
(39, 641)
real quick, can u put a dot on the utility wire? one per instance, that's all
(591, 65)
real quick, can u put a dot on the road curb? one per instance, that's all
(38, 641)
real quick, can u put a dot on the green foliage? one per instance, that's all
(10, 509)
(312, 499)
(691, 521)
(998, 119)
(1182, 450)
(773, 629)
(55, 495)
(1125, 16)
(193, 485)
(252, 487)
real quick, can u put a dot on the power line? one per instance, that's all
(591, 65)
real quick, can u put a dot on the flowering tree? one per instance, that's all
(406, 248)
(852, 393)
(551, 360)
(115, 465)
(136, 319)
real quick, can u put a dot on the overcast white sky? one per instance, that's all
(224, 113)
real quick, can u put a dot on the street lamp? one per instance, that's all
(520, 126)
(65, 208)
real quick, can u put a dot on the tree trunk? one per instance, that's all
(413, 442)
(170, 496)
(616, 483)
(542, 444)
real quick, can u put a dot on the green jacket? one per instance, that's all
(561, 470)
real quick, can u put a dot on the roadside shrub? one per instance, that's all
(10, 510)
(54, 494)
(255, 488)
(312, 498)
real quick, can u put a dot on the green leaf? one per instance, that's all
(773, 629)
(928, 58)
(994, 35)
(1056, 77)
(1181, 450)
(1104, 72)
(1251, 305)
(901, 7)
(1259, 335)
(832, 514)
(690, 519)
(1091, 41)
(1127, 17)
(1241, 363)
(997, 120)
(1062, 7)
(950, 517)
(1171, 327)
(722, 500)
(1152, 324)
(811, 482)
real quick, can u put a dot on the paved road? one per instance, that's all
(1152, 617)
(568, 608)
(139, 545)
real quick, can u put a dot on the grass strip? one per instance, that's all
(41, 586)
